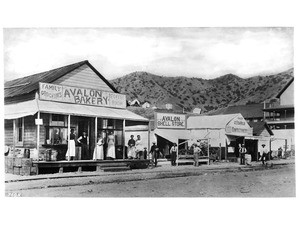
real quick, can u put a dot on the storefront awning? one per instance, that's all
(31, 107)
(89, 111)
(19, 110)
(173, 135)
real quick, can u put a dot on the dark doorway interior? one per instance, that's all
(252, 149)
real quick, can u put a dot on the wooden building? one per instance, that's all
(280, 118)
(41, 109)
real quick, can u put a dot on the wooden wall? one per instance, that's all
(83, 77)
(8, 127)
(30, 135)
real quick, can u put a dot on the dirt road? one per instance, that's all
(276, 182)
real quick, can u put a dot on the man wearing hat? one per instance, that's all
(243, 151)
(264, 152)
(154, 153)
(196, 154)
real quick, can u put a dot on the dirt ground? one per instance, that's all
(276, 182)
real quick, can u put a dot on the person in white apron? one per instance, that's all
(138, 145)
(111, 153)
(98, 152)
(71, 147)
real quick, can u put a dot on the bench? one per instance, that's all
(190, 159)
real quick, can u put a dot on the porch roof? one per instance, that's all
(31, 107)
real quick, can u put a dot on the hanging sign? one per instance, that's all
(39, 121)
(238, 127)
(77, 95)
(167, 120)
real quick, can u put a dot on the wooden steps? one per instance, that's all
(114, 167)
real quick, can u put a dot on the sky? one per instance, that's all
(115, 52)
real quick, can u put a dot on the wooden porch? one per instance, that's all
(89, 165)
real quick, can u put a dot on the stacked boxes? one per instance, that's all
(18, 166)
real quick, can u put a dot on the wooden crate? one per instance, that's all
(16, 170)
(33, 170)
(25, 170)
(9, 163)
(26, 162)
(18, 162)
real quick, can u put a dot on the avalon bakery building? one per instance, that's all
(42, 109)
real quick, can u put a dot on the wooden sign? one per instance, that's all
(77, 95)
(168, 120)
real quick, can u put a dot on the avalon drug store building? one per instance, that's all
(41, 110)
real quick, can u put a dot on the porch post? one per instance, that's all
(124, 142)
(177, 157)
(96, 137)
(208, 149)
(69, 132)
(38, 136)
(14, 136)
(149, 132)
(226, 149)
(220, 146)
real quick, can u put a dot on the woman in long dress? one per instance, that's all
(71, 147)
(98, 152)
(138, 145)
(111, 153)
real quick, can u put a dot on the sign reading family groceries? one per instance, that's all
(84, 96)
(165, 120)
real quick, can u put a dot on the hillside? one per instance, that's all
(209, 94)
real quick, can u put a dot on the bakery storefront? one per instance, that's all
(42, 109)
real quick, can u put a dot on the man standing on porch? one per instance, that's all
(83, 140)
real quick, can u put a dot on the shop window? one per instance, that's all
(20, 131)
(104, 123)
(56, 135)
(57, 120)
(119, 124)
(110, 124)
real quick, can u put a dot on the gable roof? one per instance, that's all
(248, 111)
(284, 88)
(29, 84)
(259, 126)
(210, 121)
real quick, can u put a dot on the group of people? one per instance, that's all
(155, 152)
(245, 158)
(135, 148)
(98, 151)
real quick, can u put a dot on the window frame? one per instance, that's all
(18, 142)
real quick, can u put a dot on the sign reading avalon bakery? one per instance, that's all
(174, 121)
(84, 96)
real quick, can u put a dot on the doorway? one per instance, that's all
(252, 149)
(85, 125)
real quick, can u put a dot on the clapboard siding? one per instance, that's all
(265, 133)
(29, 132)
(8, 132)
(83, 77)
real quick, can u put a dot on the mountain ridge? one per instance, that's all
(209, 94)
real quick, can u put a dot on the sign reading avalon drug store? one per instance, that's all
(174, 121)
(238, 127)
(84, 96)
